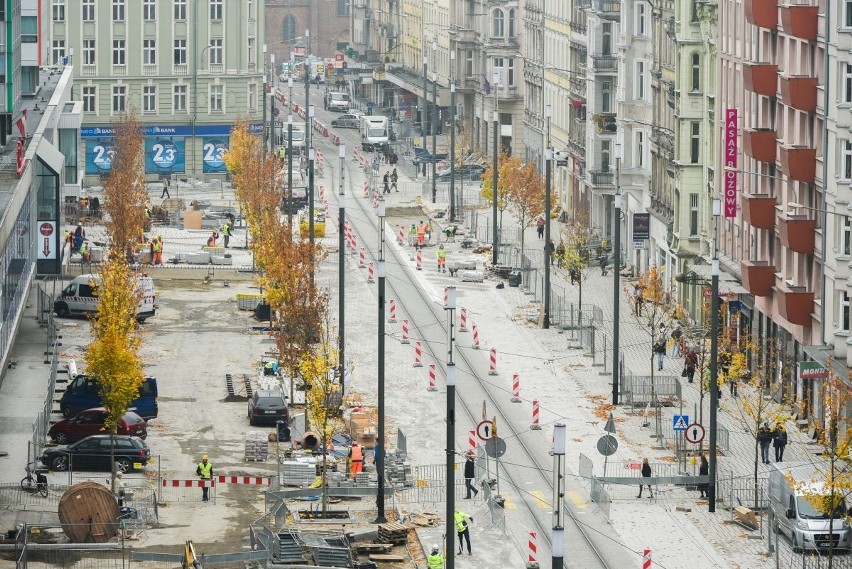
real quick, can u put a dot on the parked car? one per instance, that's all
(349, 120)
(267, 407)
(421, 155)
(84, 393)
(91, 422)
(94, 452)
(472, 172)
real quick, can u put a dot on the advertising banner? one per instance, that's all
(165, 155)
(99, 155)
(213, 154)
(732, 151)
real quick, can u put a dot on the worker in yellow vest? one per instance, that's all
(205, 472)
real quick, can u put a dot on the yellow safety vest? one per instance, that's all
(460, 517)
(206, 470)
(436, 561)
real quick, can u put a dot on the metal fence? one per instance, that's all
(640, 390)
(430, 482)
(600, 496)
(41, 425)
(737, 490)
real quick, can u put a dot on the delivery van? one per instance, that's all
(83, 392)
(807, 526)
(81, 297)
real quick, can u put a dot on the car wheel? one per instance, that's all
(796, 548)
(334, 124)
(59, 463)
(62, 310)
(66, 411)
(60, 438)
(123, 464)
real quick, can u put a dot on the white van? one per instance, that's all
(81, 297)
(807, 526)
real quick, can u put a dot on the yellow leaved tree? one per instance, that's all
(324, 395)
(505, 165)
(526, 194)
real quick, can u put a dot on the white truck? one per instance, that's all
(336, 101)
(792, 488)
(375, 133)
(299, 138)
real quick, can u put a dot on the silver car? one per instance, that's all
(349, 120)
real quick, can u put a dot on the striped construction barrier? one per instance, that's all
(248, 480)
(189, 483)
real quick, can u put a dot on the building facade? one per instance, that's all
(329, 22)
(187, 68)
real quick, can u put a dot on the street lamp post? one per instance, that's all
(341, 266)
(425, 112)
(263, 115)
(450, 308)
(558, 532)
(380, 438)
(290, 151)
(434, 123)
(548, 164)
(494, 193)
(452, 136)
(714, 355)
(616, 277)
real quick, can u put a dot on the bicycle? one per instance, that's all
(35, 485)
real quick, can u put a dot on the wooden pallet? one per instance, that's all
(393, 532)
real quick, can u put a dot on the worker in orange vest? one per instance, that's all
(356, 458)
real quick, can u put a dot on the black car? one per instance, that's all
(421, 156)
(93, 453)
(267, 407)
(472, 172)
(296, 202)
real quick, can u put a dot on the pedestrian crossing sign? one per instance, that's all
(680, 422)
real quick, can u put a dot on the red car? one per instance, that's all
(91, 422)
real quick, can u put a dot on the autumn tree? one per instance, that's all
(505, 164)
(831, 485)
(753, 402)
(653, 313)
(324, 393)
(526, 194)
(125, 195)
(573, 254)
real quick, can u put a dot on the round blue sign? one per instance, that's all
(103, 153)
(164, 154)
(214, 153)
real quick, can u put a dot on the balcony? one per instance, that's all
(797, 233)
(464, 36)
(761, 78)
(89, 71)
(758, 277)
(608, 9)
(795, 304)
(762, 13)
(149, 70)
(760, 144)
(799, 163)
(605, 123)
(800, 21)
(799, 92)
(180, 69)
(605, 63)
(759, 210)
(119, 70)
(602, 178)
(578, 27)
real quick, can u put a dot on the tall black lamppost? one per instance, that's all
(548, 165)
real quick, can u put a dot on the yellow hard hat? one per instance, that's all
(204, 457)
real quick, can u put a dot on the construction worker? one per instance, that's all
(356, 458)
(85, 252)
(429, 230)
(226, 231)
(412, 234)
(158, 250)
(462, 530)
(421, 234)
(205, 472)
(435, 560)
(441, 254)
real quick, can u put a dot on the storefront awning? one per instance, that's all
(727, 283)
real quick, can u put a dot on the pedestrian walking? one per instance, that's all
(394, 178)
(646, 473)
(638, 301)
(704, 470)
(226, 232)
(659, 350)
(469, 470)
(539, 227)
(779, 442)
(356, 459)
(435, 559)
(205, 472)
(119, 488)
(603, 262)
(386, 183)
(764, 439)
(441, 255)
(677, 336)
(550, 248)
(463, 522)
(560, 254)
(690, 363)
(165, 192)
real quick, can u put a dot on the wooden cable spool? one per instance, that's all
(88, 512)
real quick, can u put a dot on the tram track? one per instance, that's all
(522, 468)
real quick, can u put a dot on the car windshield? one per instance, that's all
(376, 132)
(808, 511)
(298, 135)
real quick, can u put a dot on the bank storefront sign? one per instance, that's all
(165, 148)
